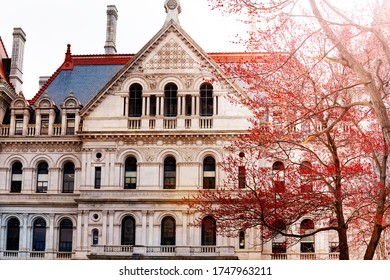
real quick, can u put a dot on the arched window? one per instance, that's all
(278, 176)
(209, 173)
(39, 235)
(130, 173)
(13, 231)
(209, 231)
(68, 178)
(128, 231)
(169, 173)
(307, 243)
(206, 100)
(135, 100)
(306, 172)
(16, 177)
(95, 237)
(66, 236)
(168, 231)
(43, 177)
(170, 100)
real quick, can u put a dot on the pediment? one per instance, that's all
(172, 51)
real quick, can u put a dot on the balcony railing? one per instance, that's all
(35, 255)
(302, 256)
(125, 250)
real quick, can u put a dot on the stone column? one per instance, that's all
(151, 227)
(104, 228)
(111, 227)
(79, 230)
(144, 226)
(26, 119)
(85, 230)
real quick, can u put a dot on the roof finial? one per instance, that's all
(68, 54)
(173, 9)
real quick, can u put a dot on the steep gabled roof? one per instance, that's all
(85, 75)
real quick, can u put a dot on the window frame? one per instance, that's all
(16, 185)
(128, 232)
(170, 173)
(135, 100)
(209, 173)
(130, 167)
(71, 183)
(206, 92)
(168, 231)
(42, 180)
(170, 100)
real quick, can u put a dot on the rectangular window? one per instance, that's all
(70, 124)
(153, 105)
(19, 125)
(42, 183)
(98, 177)
(241, 177)
(44, 124)
(188, 105)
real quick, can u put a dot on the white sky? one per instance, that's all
(51, 25)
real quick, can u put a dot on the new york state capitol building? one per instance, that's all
(95, 165)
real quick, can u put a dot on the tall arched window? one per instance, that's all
(43, 177)
(168, 231)
(209, 231)
(39, 235)
(130, 173)
(13, 232)
(307, 243)
(135, 100)
(209, 173)
(66, 236)
(169, 173)
(170, 100)
(278, 176)
(206, 100)
(16, 177)
(128, 231)
(68, 178)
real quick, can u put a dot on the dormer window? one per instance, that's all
(19, 125)
(135, 100)
(170, 102)
(44, 124)
(70, 124)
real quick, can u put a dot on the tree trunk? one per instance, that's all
(375, 237)
(343, 243)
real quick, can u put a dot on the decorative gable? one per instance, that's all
(171, 56)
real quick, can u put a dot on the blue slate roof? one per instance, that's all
(84, 80)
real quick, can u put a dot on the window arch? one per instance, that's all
(95, 236)
(170, 173)
(130, 173)
(168, 231)
(13, 232)
(307, 243)
(278, 176)
(43, 177)
(170, 100)
(68, 178)
(209, 173)
(128, 231)
(206, 100)
(66, 236)
(39, 235)
(209, 231)
(135, 100)
(16, 177)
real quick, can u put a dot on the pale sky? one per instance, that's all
(51, 25)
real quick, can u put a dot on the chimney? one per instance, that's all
(16, 73)
(112, 17)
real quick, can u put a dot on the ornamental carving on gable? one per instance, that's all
(171, 56)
